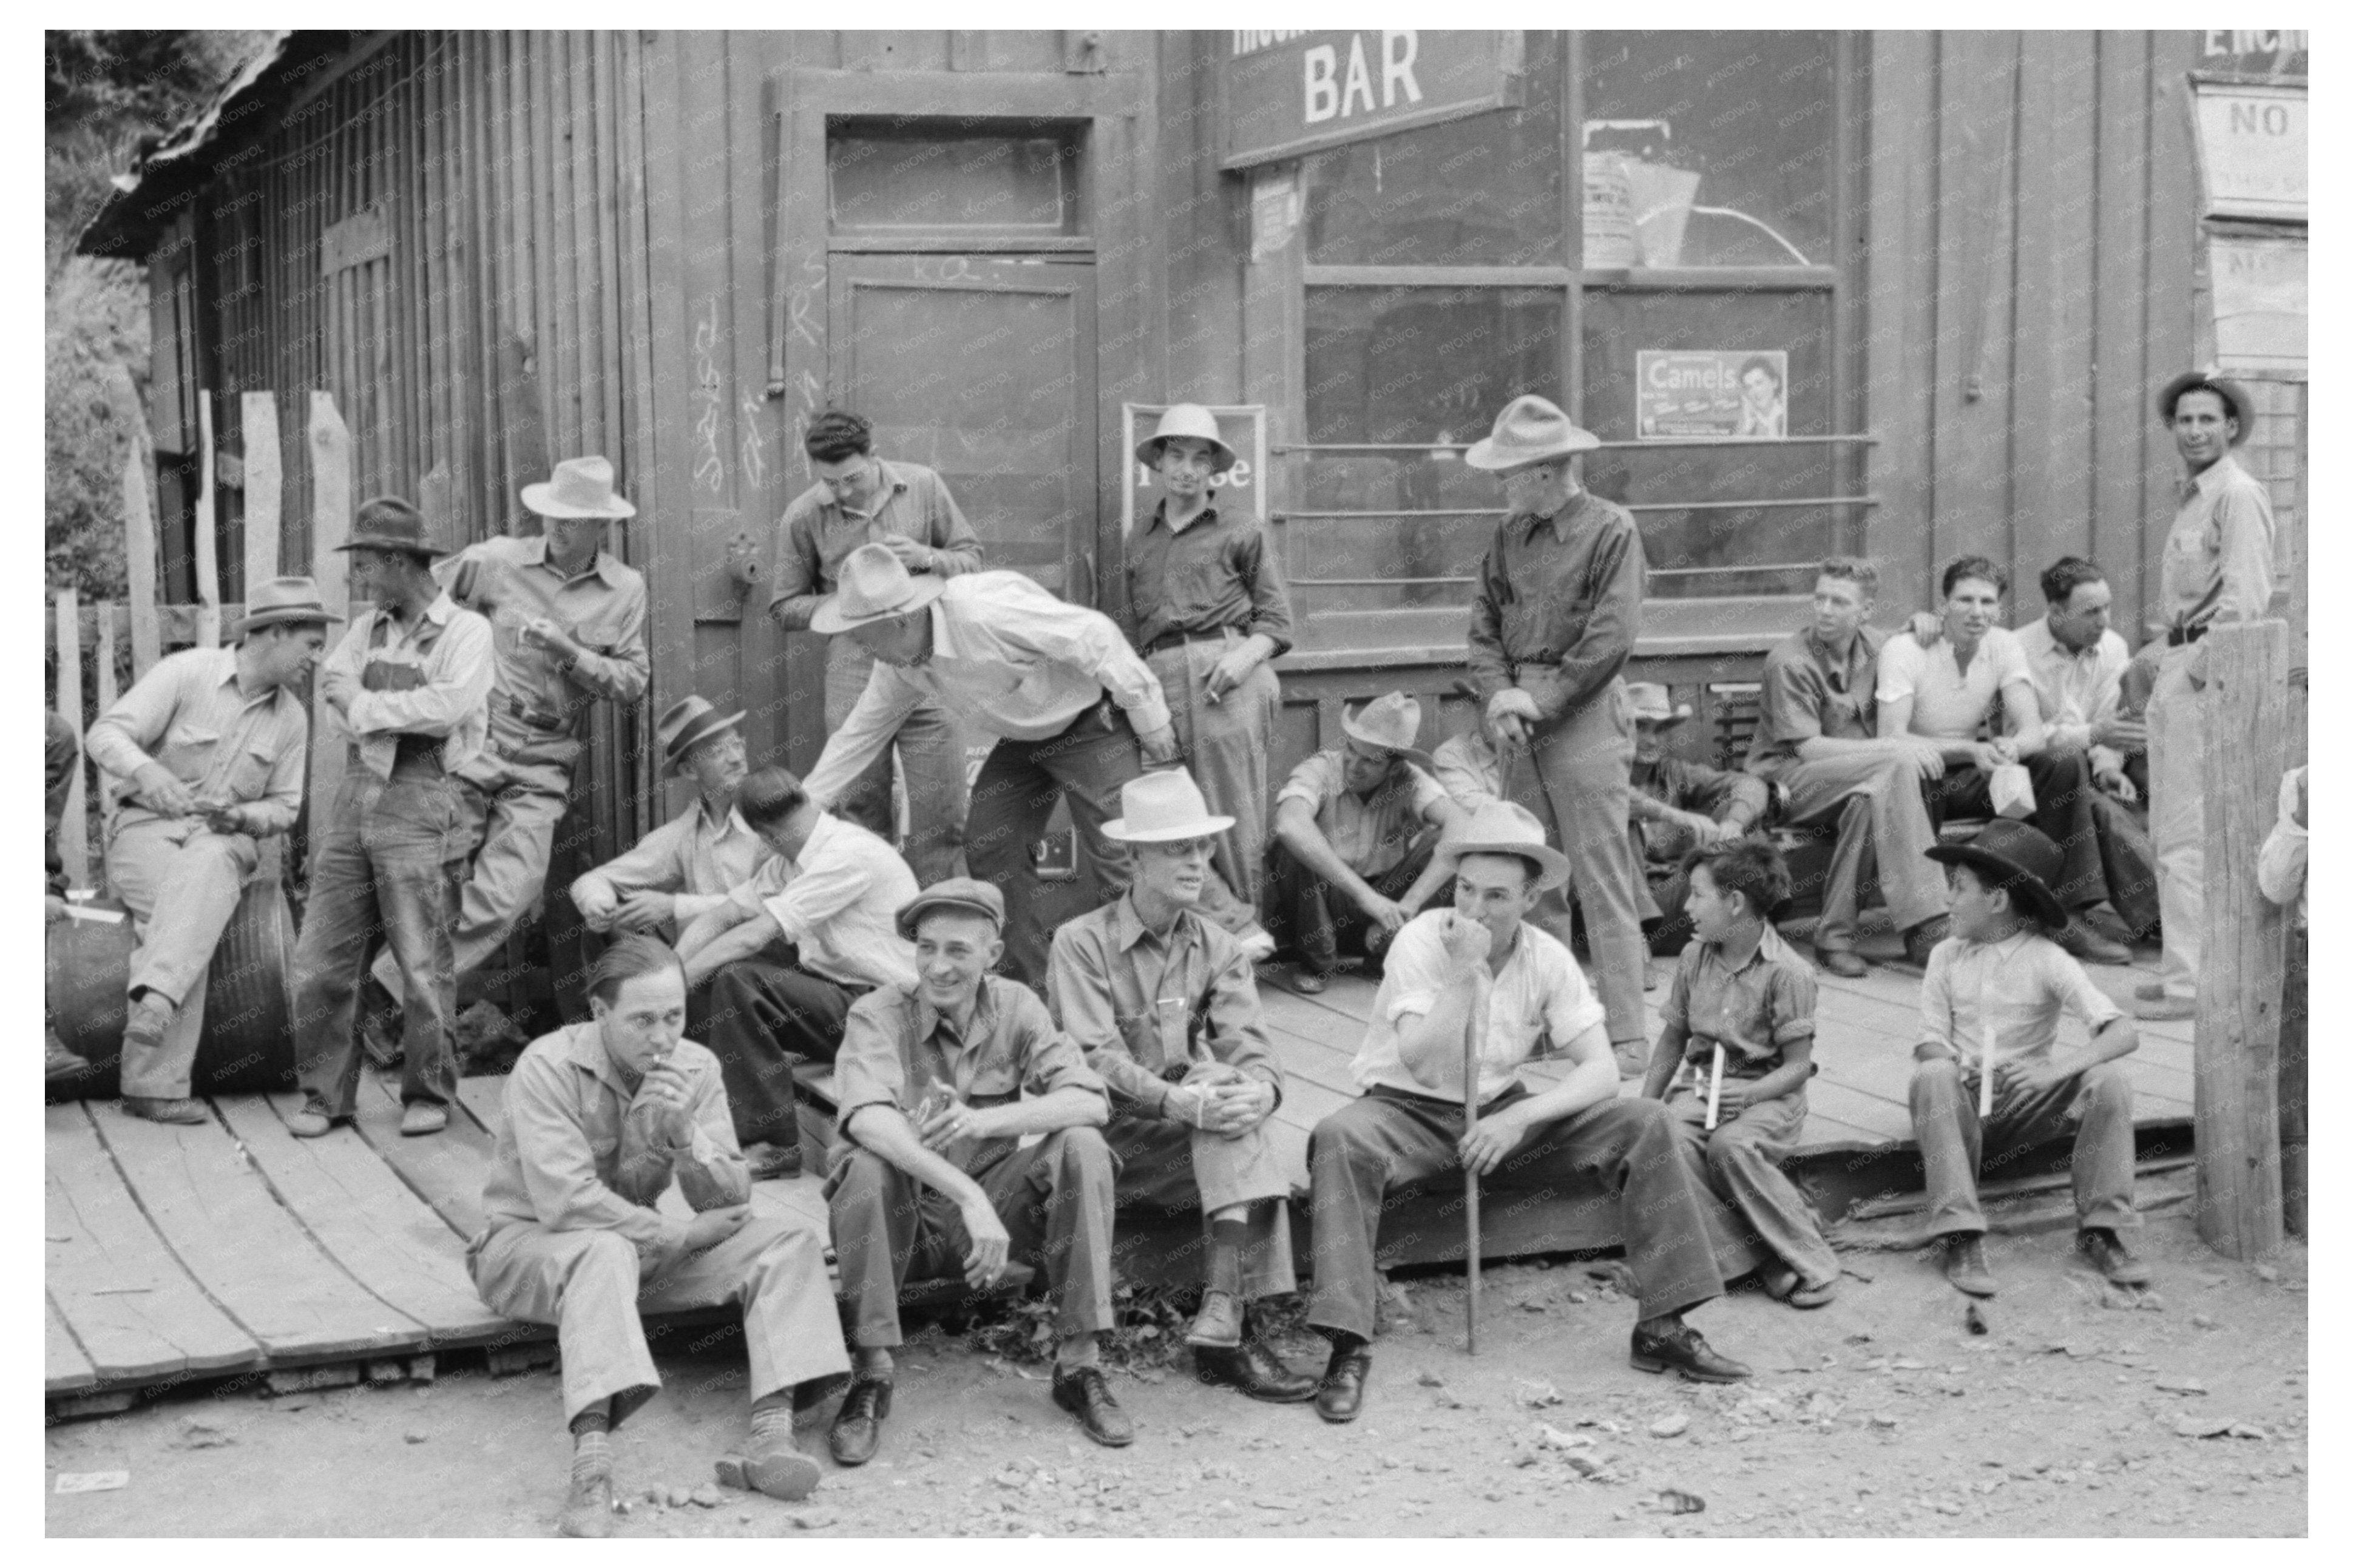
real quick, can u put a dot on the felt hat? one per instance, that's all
(686, 724)
(1505, 828)
(968, 894)
(283, 600)
(388, 523)
(1392, 722)
(1650, 702)
(581, 486)
(2017, 857)
(1188, 419)
(2234, 397)
(1530, 429)
(1162, 807)
(874, 586)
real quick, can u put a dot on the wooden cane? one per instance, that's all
(1474, 1050)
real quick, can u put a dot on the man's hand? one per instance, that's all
(55, 909)
(540, 632)
(2015, 1076)
(2303, 808)
(162, 792)
(985, 1264)
(1230, 670)
(955, 1120)
(644, 912)
(1708, 830)
(596, 904)
(1466, 942)
(1382, 911)
(1233, 1109)
(665, 1095)
(712, 1226)
(1925, 627)
(1987, 755)
(1731, 1100)
(913, 555)
(1487, 1145)
(1924, 753)
(225, 820)
(2005, 747)
(2121, 734)
(2113, 781)
(1159, 747)
(1513, 714)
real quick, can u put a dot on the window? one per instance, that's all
(964, 178)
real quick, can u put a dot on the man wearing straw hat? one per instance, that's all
(568, 623)
(1164, 1003)
(1553, 621)
(207, 752)
(688, 865)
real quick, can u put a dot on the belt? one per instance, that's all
(536, 717)
(2175, 636)
(407, 749)
(1167, 640)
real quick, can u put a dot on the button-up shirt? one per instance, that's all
(838, 902)
(1810, 693)
(1142, 1006)
(1372, 835)
(450, 650)
(603, 608)
(2217, 557)
(1467, 768)
(1678, 783)
(1754, 1012)
(697, 856)
(577, 1151)
(2075, 689)
(816, 531)
(1559, 604)
(2023, 984)
(896, 1045)
(1538, 1004)
(1215, 572)
(1948, 703)
(1009, 659)
(187, 713)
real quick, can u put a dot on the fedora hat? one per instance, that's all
(965, 893)
(1188, 419)
(1651, 701)
(1530, 429)
(686, 724)
(2234, 397)
(1392, 722)
(1505, 828)
(2017, 857)
(1162, 807)
(388, 523)
(874, 586)
(283, 600)
(582, 486)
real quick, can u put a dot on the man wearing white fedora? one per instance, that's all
(1074, 711)
(688, 865)
(568, 627)
(1553, 621)
(1164, 1004)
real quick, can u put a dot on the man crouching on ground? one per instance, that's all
(600, 1118)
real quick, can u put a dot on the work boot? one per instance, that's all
(150, 1017)
(58, 1063)
(1084, 1393)
(1965, 1265)
(857, 1425)
(1842, 961)
(773, 1162)
(178, 1112)
(2106, 1250)
(588, 1509)
(2086, 945)
(1219, 1324)
(1308, 982)
(774, 1468)
(312, 1121)
(1254, 1368)
(1922, 940)
(422, 1119)
(1681, 1347)
(1340, 1396)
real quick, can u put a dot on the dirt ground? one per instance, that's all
(1881, 1415)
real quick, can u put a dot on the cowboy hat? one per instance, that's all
(281, 601)
(2235, 401)
(1163, 807)
(1392, 722)
(874, 586)
(1651, 701)
(1505, 828)
(1530, 429)
(2017, 857)
(686, 724)
(1188, 419)
(388, 523)
(581, 486)
(967, 894)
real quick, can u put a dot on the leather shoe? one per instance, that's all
(2086, 945)
(422, 1119)
(2149, 990)
(1682, 1348)
(180, 1112)
(1085, 1395)
(2106, 1250)
(1219, 1324)
(778, 1469)
(588, 1509)
(1965, 1266)
(1254, 1368)
(857, 1425)
(1341, 1394)
(1842, 961)
(58, 1063)
(310, 1123)
(1922, 939)
(774, 1162)
(1307, 983)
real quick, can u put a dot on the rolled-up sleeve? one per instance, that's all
(2288, 848)
(1788, 705)
(1792, 992)
(870, 1069)
(1049, 1058)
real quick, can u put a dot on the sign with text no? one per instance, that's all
(1281, 94)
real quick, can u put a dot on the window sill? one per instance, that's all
(1672, 628)
(1706, 277)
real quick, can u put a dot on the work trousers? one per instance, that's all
(386, 866)
(1175, 1169)
(1014, 798)
(1318, 921)
(1054, 1199)
(1576, 780)
(1881, 816)
(1957, 1149)
(763, 1012)
(1226, 745)
(180, 880)
(591, 1286)
(931, 760)
(2176, 815)
(1744, 1158)
(1681, 1242)
(2062, 813)
(2128, 862)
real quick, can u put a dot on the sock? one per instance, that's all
(772, 1415)
(1078, 1351)
(1666, 1323)
(1342, 1341)
(1226, 1238)
(592, 1444)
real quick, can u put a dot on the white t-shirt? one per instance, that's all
(1540, 1002)
(1947, 704)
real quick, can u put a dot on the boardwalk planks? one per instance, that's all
(66, 1369)
(444, 1170)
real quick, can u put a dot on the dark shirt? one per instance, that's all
(1687, 786)
(1559, 603)
(1807, 693)
(1217, 573)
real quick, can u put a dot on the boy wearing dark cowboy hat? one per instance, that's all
(1993, 998)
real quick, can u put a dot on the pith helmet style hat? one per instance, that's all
(1505, 828)
(2018, 857)
(874, 586)
(1392, 722)
(282, 600)
(1650, 702)
(686, 724)
(1163, 807)
(1530, 429)
(966, 894)
(388, 523)
(1188, 419)
(582, 486)
(2234, 397)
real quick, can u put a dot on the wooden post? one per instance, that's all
(265, 484)
(330, 525)
(2244, 949)
(138, 520)
(106, 695)
(207, 548)
(73, 832)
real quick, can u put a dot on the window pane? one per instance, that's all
(885, 180)
(1718, 141)
(1481, 191)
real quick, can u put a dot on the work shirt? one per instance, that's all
(187, 713)
(2023, 984)
(1539, 1002)
(1007, 660)
(838, 903)
(1756, 1012)
(2075, 690)
(1559, 604)
(444, 664)
(1143, 1007)
(1215, 572)
(1467, 770)
(577, 1151)
(895, 1046)
(1679, 784)
(2218, 555)
(2279, 863)
(1373, 835)
(816, 531)
(510, 582)
(1948, 703)
(1810, 693)
(698, 857)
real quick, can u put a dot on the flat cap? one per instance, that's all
(967, 894)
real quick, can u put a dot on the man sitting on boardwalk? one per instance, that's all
(601, 1118)
(1164, 1003)
(688, 865)
(1677, 806)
